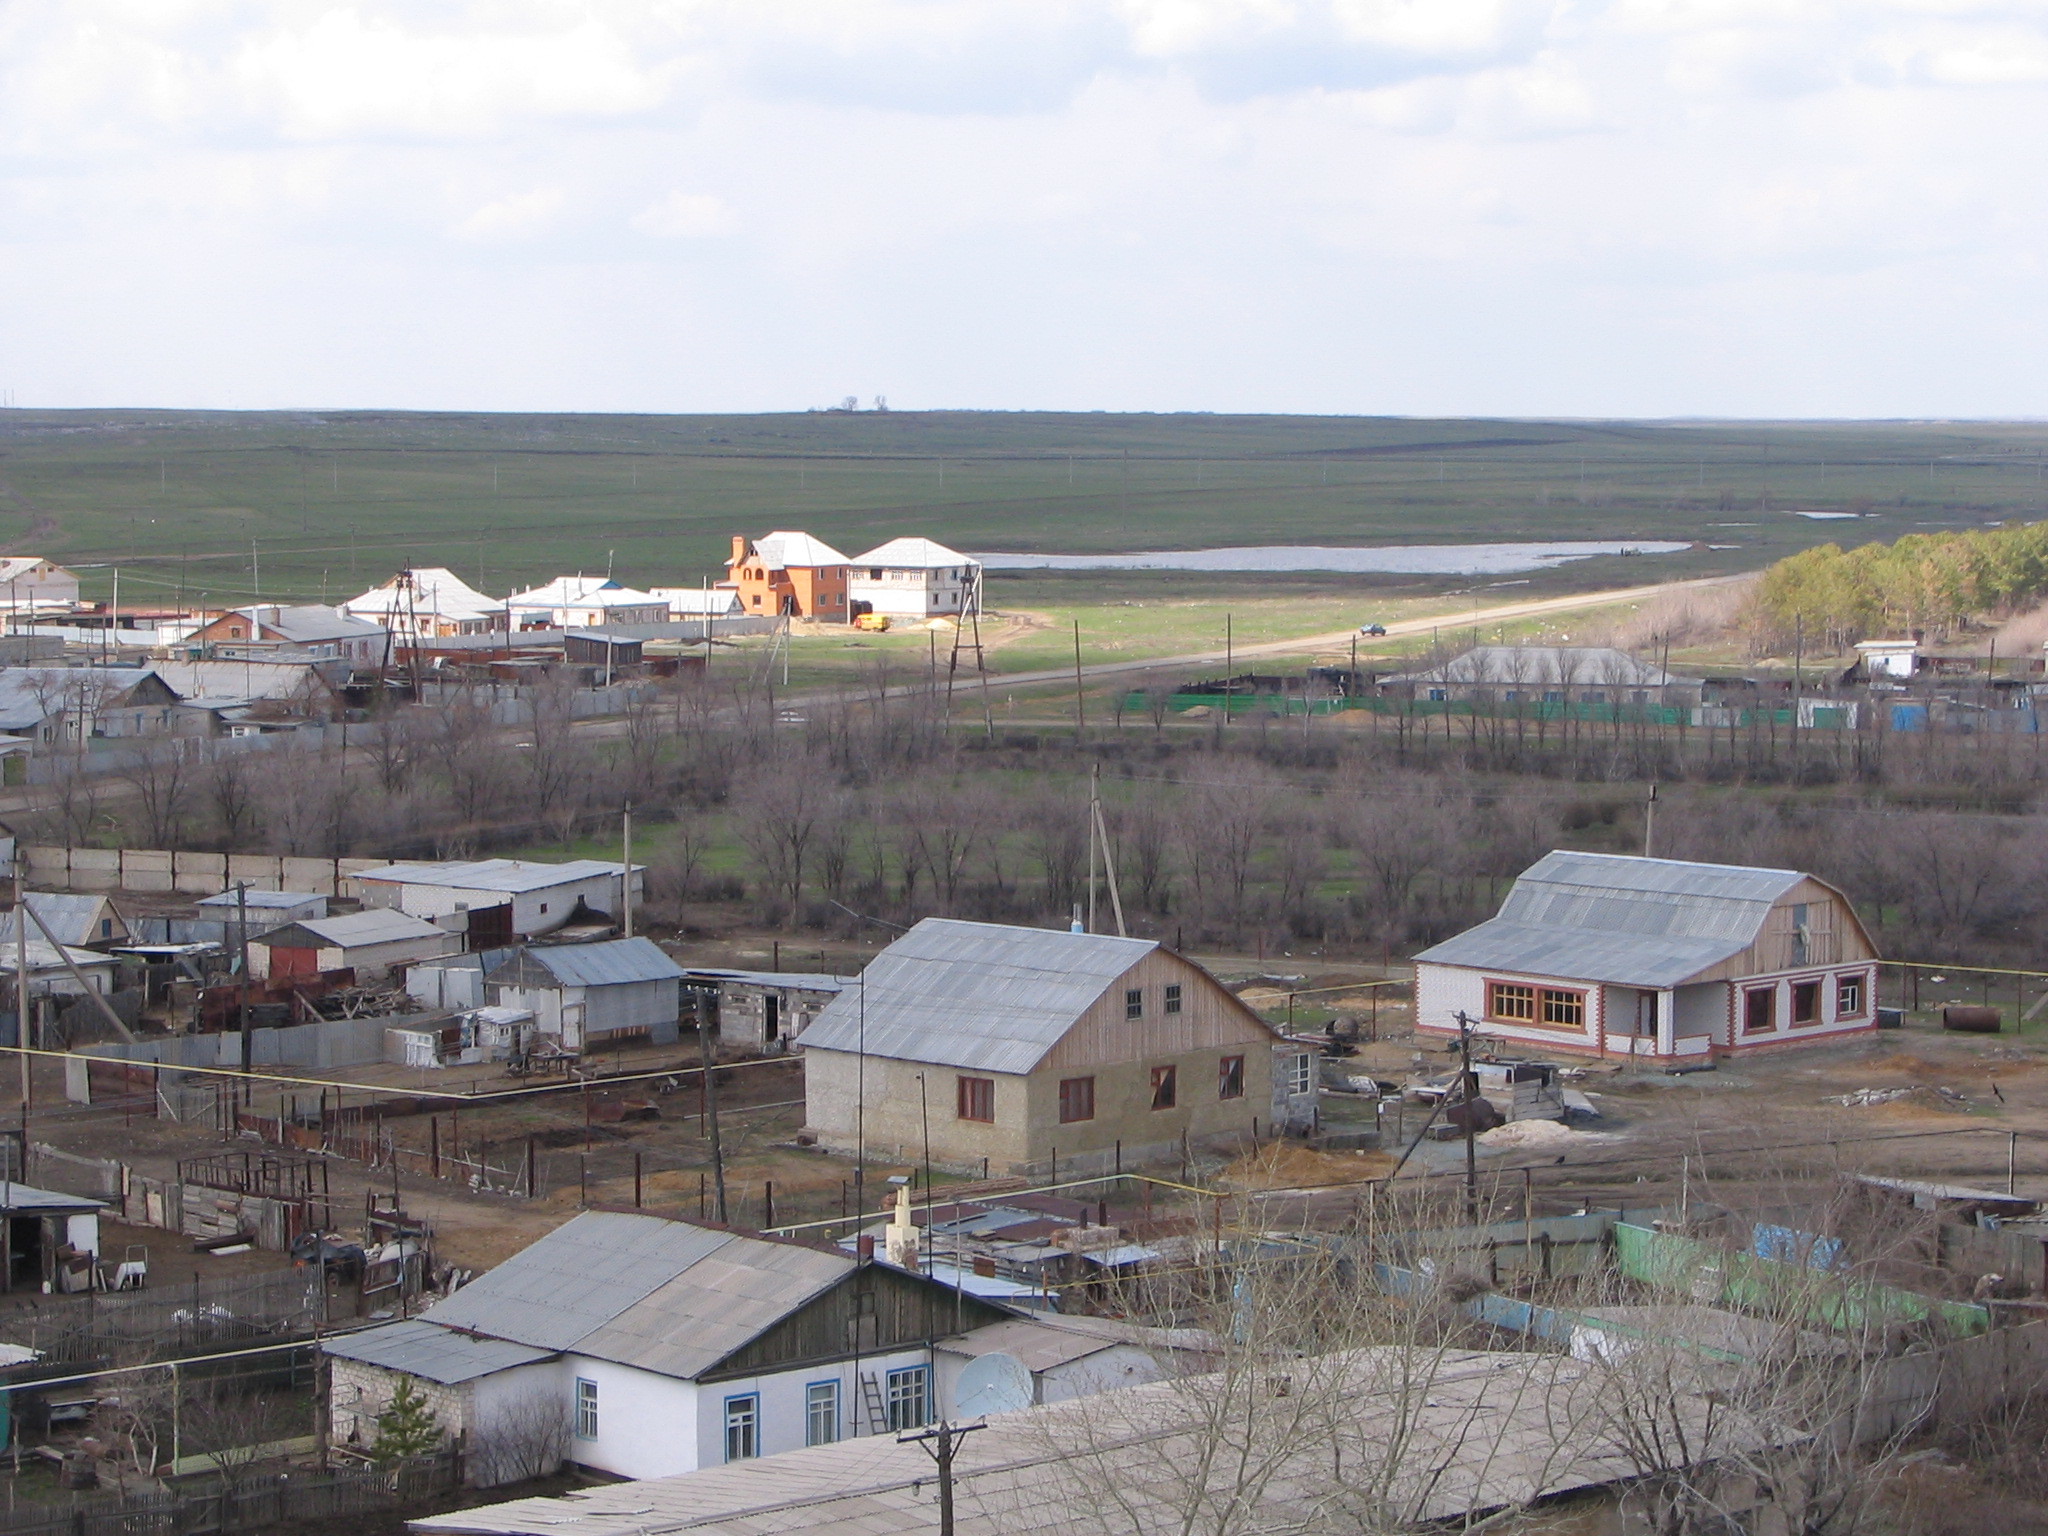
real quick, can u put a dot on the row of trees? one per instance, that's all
(1930, 581)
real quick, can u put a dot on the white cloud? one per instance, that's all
(1496, 205)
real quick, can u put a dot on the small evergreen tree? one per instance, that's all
(407, 1427)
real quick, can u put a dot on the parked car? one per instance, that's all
(1372, 629)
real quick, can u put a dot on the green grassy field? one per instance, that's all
(309, 505)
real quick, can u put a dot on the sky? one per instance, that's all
(1415, 207)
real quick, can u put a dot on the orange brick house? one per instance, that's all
(788, 573)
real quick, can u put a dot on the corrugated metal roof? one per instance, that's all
(594, 965)
(1612, 918)
(507, 875)
(272, 899)
(432, 1353)
(666, 1296)
(984, 996)
(794, 981)
(26, 1197)
(31, 695)
(377, 925)
(75, 920)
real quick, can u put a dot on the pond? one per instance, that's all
(1395, 559)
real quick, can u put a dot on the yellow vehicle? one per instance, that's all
(873, 623)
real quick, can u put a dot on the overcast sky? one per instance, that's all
(1611, 207)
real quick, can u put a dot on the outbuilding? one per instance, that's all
(500, 899)
(261, 911)
(79, 920)
(593, 994)
(765, 1010)
(48, 1240)
(1020, 1050)
(1658, 958)
(372, 944)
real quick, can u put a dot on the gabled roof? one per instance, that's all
(307, 623)
(259, 899)
(666, 1296)
(31, 695)
(378, 925)
(913, 554)
(786, 548)
(1535, 666)
(200, 682)
(985, 996)
(587, 965)
(433, 1354)
(504, 875)
(584, 592)
(438, 593)
(712, 600)
(75, 920)
(1613, 918)
(15, 567)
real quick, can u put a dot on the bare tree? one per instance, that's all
(524, 1438)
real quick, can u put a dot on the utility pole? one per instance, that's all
(942, 1445)
(242, 973)
(626, 880)
(1098, 831)
(21, 997)
(1650, 822)
(711, 1114)
(1229, 668)
(1094, 793)
(1469, 1087)
(1080, 703)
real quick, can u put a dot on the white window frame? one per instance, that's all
(586, 1408)
(909, 1391)
(1299, 1073)
(821, 1412)
(743, 1417)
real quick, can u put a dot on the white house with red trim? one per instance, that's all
(1655, 958)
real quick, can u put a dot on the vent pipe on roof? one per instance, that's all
(1075, 925)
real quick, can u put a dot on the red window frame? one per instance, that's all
(1769, 994)
(1811, 986)
(976, 1099)
(1077, 1100)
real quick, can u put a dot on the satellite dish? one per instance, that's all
(994, 1383)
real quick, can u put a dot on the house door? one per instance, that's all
(286, 961)
(1646, 1015)
(771, 1018)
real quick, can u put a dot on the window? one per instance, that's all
(1759, 1010)
(1562, 1009)
(1298, 1073)
(910, 1397)
(1554, 696)
(1805, 1002)
(1230, 1078)
(586, 1409)
(1510, 1000)
(742, 1428)
(1134, 1003)
(543, 906)
(1438, 695)
(1848, 997)
(978, 1099)
(1165, 1087)
(1173, 997)
(821, 1413)
(1077, 1099)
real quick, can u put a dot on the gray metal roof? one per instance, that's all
(75, 920)
(31, 695)
(1612, 918)
(1535, 666)
(271, 899)
(985, 996)
(377, 925)
(435, 1354)
(26, 1197)
(666, 1296)
(793, 981)
(591, 965)
(507, 875)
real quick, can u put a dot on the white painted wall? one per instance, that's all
(533, 912)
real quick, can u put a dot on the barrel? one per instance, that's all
(1972, 1020)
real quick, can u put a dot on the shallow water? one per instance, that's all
(1397, 559)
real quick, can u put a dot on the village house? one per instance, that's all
(764, 1010)
(914, 579)
(1655, 958)
(307, 631)
(31, 584)
(430, 602)
(1021, 1049)
(667, 1345)
(584, 602)
(690, 603)
(248, 696)
(788, 574)
(500, 899)
(593, 994)
(79, 921)
(79, 704)
(372, 944)
(1546, 674)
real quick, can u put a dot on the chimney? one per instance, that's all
(864, 1248)
(739, 549)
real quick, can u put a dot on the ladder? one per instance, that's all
(871, 1397)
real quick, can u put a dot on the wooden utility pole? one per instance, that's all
(942, 1444)
(1469, 1086)
(1080, 703)
(711, 1116)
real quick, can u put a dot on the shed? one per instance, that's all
(766, 1010)
(372, 944)
(602, 649)
(79, 921)
(591, 994)
(1021, 1048)
(1656, 958)
(499, 898)
(47, 1239)
(261, 910)
(49, 976)
(1547, 674)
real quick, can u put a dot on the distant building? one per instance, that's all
(766, 1010)
(1892, 659)
(1658, 958)
(914, 579)
(31, 584)
(372, 944)
(789, 574)
(306, 630)
(430, 602)
(77, 704)
(1021, 1047)
(79, 921)
(495, 901)
(584, 602)
(593, 994)
(1546, 674)
(719, 602)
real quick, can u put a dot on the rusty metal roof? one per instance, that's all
(985, 996)
(1612, 918)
